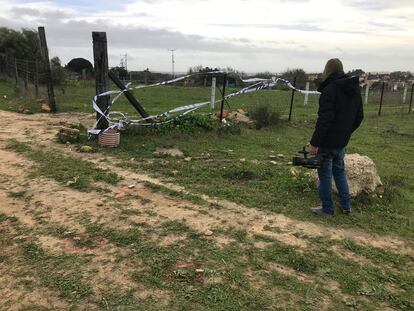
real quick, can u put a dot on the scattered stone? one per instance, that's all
(86, 149)
(255, 161)
(272, 156)
(295, 171)
(188, 159)
(225, 114)
(174, 152)
(70, 135)
(280, 155)
(362, 176)
(23, 109)
(274, 162)
(131, 186)
(241, 118)
(45, 107)
(208, 233)
(174, 172)
(243, 160)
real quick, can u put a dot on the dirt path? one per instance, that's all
(47, 202)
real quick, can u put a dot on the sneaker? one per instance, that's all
(320, 212)
(345, 211)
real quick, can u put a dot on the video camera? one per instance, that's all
(312, 162)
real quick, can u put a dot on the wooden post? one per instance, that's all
(36, 80)
(213, 92)
(382, 98)
(404, 100)
(26, 80)
(366, 93)
(223, 93)
(292, 99)
(411, 99)
(129, 96)
(46, 65)
(100, 57)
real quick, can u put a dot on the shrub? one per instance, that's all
(263, 115)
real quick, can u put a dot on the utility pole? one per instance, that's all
(46, 65)
(172, 62)
(126, 61)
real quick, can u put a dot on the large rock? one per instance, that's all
(362, 175)
(67, 134)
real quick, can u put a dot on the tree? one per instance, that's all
(120, 72)
(356, 72)
(57, 70)
(79, 64)
(23, 44)
(300, 75)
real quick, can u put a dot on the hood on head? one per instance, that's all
(349, 85)
(333, 66)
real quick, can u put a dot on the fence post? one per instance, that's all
(404, 100)
(213, 92)
(382, 98)
(306, 94)
(411, 99)
(292, 99)
(366, 93)
(36, 80)
(223, 93)
(46, 64)
(26, 80)
(100, 57)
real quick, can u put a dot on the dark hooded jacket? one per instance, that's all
(340, 111)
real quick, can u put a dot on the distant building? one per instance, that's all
(313, 76)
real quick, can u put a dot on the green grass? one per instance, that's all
(367, 286)
(388, 140)
(77, 96)
(57, 272)
(243, 273)
(256, 182)
(67, 170)
(16, 194)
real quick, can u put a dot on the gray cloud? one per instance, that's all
(147, 47)
(377, 4)
(304, 27)
(19, 12)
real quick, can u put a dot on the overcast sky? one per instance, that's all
(253, 36)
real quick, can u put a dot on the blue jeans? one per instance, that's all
(333, 164)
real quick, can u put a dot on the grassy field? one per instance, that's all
(77, 96)
(388, 140)
(248, 271)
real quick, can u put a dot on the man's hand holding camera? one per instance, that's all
(312, 150)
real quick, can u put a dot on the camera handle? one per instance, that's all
(304, 152)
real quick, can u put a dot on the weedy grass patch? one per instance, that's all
(73, 172)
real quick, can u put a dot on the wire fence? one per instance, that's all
(28, 79)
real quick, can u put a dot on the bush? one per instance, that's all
(264, 116)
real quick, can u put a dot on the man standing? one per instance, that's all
(340, 114)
